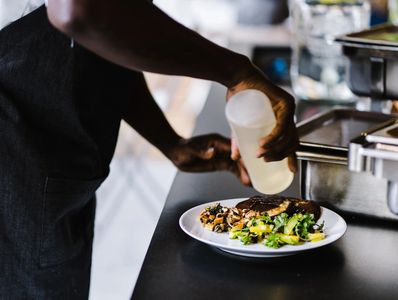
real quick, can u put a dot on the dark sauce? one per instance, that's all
(261, 203)
(265, 203)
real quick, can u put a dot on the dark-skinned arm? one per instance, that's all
(205, 153)
(137, 35)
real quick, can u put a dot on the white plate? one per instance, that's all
(335, 227)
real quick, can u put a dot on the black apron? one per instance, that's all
(60, 111)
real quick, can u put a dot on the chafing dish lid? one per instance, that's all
(381, 37)
(329, 134)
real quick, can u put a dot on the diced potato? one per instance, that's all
(209, 226)
(290, 239)
(218, 220)
(238, 226)
(316, 237)
(266, 228)
(204, 220)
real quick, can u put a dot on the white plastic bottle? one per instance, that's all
(251, 118)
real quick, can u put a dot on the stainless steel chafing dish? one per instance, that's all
(324, 158)
(373, 72)
(377, 152)
(372, 68)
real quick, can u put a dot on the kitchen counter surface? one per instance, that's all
(363, 264)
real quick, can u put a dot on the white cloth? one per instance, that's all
(12, 10)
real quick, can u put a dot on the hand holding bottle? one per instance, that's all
(283, 140)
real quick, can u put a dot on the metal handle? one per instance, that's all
(319, 157)
(377, 77)
(392, 197)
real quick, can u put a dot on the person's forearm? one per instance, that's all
(144, 115)
(138, 35)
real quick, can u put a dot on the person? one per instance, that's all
(69, 73)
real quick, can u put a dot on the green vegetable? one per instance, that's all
(247, 238)
(279, 230)
(319, 227)
(273, 241)
(291, 224)
(252, 222)
(280, 221)
(215, 209)
(234, 234)
(266, 219)
(305, 226)
(290, 239)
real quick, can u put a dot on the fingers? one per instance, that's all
(206, 147)
(207, 153)
(221, 158)
(285, 146)
(243, 174)
(276, 134)
(292, 163)
(233, 163)
(284, 113)
(283, 140)
(235, 154)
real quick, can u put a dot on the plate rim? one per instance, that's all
(268, 252)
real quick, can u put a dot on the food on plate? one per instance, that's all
(275, 205)
(273, 220)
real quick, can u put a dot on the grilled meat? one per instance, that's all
(275, 205)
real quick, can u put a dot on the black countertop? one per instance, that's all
(363, 264)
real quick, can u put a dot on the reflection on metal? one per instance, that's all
(377, 152)
(327, 158)
(335, 185)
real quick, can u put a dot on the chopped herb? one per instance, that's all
(214, 209)
(305, 226)
(266, 219)
(319, 227)
(273, 241)
(280, 221)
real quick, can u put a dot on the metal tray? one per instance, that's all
(373, 63)
(377, 36)
(323, 153)
(330, 133)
